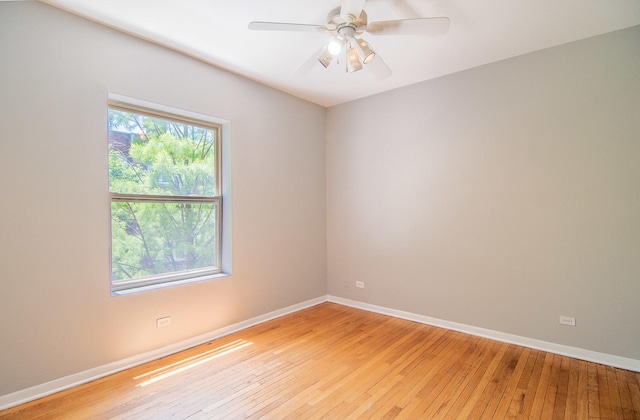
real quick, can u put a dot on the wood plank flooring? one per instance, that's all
(336, 362)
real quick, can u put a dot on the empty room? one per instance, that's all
(319, 209)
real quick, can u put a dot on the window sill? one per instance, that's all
(136, 289)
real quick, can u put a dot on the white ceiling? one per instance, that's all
(481, 32)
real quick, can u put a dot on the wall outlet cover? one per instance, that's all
(567, 320)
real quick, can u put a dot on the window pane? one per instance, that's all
(158, 238)
(160, 157)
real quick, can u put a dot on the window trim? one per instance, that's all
(126, 286)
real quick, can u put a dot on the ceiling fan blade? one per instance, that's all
(281, 26)
(379, 68)
(309, 64)
(419, 26)
(350, 9)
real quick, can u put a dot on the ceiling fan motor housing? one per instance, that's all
(337, 25)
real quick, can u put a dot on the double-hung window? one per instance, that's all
(164, 184)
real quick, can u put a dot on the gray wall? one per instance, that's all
(56, 313)
(499, 197)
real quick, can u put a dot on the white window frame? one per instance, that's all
(140, 107)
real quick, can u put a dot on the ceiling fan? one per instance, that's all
(346, 23)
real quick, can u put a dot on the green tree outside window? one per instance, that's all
(163, 179)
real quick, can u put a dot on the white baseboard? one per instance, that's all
(48, 388)
(51, 387)
(575, 352)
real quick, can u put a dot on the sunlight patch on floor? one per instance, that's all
(190, 362)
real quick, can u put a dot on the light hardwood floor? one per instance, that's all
(336, 362)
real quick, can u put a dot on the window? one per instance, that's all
(166, 202)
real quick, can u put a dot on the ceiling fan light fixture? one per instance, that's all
(364, 51)
(353, 62)
(326, 57)
(335, 46)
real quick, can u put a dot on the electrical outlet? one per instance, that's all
(163, 322)
(360, 284)
(568, 320)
